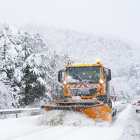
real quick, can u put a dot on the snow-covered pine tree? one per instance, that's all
(20, 64)
(33, 81)
(8, 95)
(28, 68)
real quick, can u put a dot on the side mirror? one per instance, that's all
(108, 74)
(60, 75)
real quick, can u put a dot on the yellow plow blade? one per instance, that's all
(99, 112)
(102, 112)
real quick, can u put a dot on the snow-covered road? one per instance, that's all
(72, 126)
(132, 128)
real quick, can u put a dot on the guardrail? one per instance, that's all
(33, 111)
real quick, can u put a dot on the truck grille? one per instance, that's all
(83, 92)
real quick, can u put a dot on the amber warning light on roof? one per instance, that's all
(69, 62)
(98, 61)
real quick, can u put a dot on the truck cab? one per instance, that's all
(86, 81)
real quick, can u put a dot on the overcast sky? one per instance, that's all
(100, 17)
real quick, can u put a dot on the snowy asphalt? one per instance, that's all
(132, 128)
(126, 126)
(120, 109)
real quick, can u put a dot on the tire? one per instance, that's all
(110, 104)
(137, 111)
(114, 114)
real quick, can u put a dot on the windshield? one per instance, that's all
(83, 75)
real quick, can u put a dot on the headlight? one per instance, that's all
(101, 81)
(64, 82)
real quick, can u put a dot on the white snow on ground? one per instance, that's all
(113, 132)
(132, 128)
(69, 118)
(72, 126)
(61, 117)
(116, 104)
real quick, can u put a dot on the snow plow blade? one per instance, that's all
(100, 111)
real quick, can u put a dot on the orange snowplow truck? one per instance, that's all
(86, 88)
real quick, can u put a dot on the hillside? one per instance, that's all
(119, 55)
(31, 57)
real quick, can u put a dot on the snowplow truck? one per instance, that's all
(87, 89)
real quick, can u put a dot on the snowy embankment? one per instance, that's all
(132, 128)
(68, 118)
(62, 125)
(116, 104)
(59, 117)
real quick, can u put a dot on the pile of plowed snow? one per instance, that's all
(64, 117)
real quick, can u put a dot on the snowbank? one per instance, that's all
(115, 104)
(70, 118)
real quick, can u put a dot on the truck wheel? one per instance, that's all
(114, 114)
(110, 104)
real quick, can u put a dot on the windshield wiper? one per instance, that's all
(77, 77)
(91, 81)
